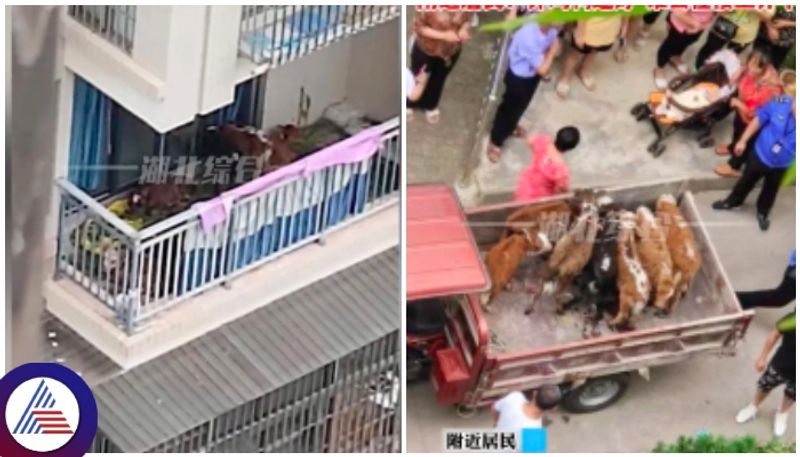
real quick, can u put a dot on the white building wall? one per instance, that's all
(184, 61)
(322, 75)
(364, 70)
(374, 79)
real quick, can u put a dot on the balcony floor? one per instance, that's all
(203, 313)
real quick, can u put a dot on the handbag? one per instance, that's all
(724, 28)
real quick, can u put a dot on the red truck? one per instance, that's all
(473, 358)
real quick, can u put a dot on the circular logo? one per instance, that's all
(48, 410)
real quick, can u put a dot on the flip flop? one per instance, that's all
(432, 116)
(588, 82)
(727, 171)
(493, 153)
(562, 89)
(723, 150)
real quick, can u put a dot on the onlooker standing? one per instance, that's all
(518, 410)
(778, 34)
(548, 173)
(685, 27)
(778, 297)
(757, 85)
(781, 370)
(746, 23)
(530, 56)
(771, 154)
(590, 37)
(438, 37)
(647, 23)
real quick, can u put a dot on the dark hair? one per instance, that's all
(567, 138)
(546, 397)
(761, 56)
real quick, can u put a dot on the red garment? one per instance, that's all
(754, 95)
(545, 176)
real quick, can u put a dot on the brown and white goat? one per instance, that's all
(682, 246)
(632, 282)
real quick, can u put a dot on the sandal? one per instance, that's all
(727, 171)
(493, 153)
(432, 116)
(562, 89)
(723, 150)
(587, 81)
(520, 132)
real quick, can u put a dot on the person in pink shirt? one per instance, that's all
(548, 173)
(685, 27)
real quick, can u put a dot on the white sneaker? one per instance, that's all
(780, 424)
(747, 413)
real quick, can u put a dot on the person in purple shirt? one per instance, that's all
(530, 56)
(774, 152)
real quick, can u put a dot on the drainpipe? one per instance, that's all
(202, 85)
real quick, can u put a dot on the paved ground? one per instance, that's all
(700, 394)
(436, 153)
(680, 399)
(613, 146)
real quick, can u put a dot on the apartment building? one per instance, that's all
(263, 319)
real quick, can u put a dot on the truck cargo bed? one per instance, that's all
(511, 330)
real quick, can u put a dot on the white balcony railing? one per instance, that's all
(275, 35)
(139, 273)
(115, 23)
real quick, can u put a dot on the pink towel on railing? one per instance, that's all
(351, 150)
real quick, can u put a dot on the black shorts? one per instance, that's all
(772, 379)
(586, 49)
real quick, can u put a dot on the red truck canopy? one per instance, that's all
(441, 255)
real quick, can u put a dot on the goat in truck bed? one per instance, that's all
(682, 246)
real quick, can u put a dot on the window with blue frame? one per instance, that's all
(108, 143)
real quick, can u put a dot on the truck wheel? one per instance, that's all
(596, 394)
(417, 365)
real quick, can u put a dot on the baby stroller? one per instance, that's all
(692, 102)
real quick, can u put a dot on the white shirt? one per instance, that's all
(512, 414)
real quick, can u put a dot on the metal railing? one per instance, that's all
(349, 405)
(115, 23)
(140, 273)
(275, 35)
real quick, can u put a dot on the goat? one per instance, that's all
(681, 244)
(573, 251)
(282, 153)
(632, 282)
(651, 244)
(504, 258)
(157, 198)
(551, 218)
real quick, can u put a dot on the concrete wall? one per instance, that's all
(321, 74)
(183, 62)
(374, 79)
(364, 70)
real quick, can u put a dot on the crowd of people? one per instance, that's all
(752, 44)
(762, 103)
